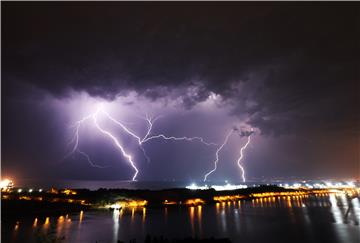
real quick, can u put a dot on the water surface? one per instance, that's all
(331, 218)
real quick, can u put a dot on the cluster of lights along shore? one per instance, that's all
(298, 190)
(295, 185)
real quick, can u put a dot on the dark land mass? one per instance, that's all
(14, 203)
(180, 195)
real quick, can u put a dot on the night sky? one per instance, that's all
(290, 71)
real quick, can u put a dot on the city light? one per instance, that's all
(6, 185)
(137, 203)
(166, 202)
(228, 198)
(35, 222)
(69, 192)
(194, 202)
(195, 187)
(227, 187)
(320, 185)
(123, 204)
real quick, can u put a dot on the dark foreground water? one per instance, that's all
(315, 219)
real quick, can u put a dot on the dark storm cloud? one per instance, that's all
(287, 66)
(245, 133)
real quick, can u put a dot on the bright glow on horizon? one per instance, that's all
(227, 187)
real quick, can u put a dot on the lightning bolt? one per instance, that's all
(241, 157)
(75, 140)
(127, 130)
(217, 154)
(200, 139)
(150, 121)
(147, 137)
(163, 136)
(131, 133)
(90, 161)
(118, 145)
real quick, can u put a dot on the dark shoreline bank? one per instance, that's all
(24, 204)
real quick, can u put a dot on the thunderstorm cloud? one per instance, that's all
(288, 69)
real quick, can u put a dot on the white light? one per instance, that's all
(350, 183)
(30, 190)
(19, 190)
(195, 187)
(296, 185)
(318, 185)
(40, 190)
(309, 186)
(227, 187)
(328, 184)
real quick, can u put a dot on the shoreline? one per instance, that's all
(65, 201)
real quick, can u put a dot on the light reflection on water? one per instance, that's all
(35, 222)
(191, 214)
(346, 211)
(333, 218)
(144, 215)
(199, 219)
(81, 216)
(335, 209)
(116, 216)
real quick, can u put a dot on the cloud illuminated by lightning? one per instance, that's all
(241, 157)
(217, 154)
